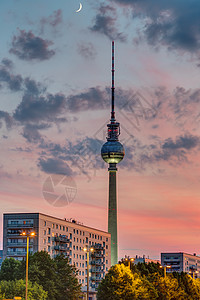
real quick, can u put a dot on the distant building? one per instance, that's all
(1, 257)
(57, 236)
(140, 259)
(181, 262)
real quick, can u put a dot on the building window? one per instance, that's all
(70, 236)
(52, 225)
(95, 236)
(101, 238)
(82, 281)
(80, 273)
(63, 228)
(45, 223)
(83, 233)
(106, 239)
(80, 232)
(56, 226)
(80, 256)
(90, 235)
(76, 255)
(77, 264)
(106, 262)
(80, 241)
(98, 237)
(74, 247)
(83, 258)
(49, 239)
(77, 231)
(60, 227)
(77, 240)
(45, 232)
(49, 230)
(74, 231)
(82, 265)
(66, 228)
(49, 248)
(74, 239)
(106, 246)
(86, 240)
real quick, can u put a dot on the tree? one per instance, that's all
(42, 271)
(121, 284)
(167, 288)
(10, 289)
(66, 279)
(9, 269)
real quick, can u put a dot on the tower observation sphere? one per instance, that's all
(112, 153)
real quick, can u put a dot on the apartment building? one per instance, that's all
(181, 262)
(56, 236)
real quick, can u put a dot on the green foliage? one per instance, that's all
(10, 269)
(121, 284)
(66, 279)
(146, 281)
(56, 276)
(10, 289)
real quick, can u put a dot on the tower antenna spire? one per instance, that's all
(113, 83)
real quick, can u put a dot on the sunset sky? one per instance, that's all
(55, 77)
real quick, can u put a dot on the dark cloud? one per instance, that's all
(53, 20)
(31, 132)
(93, 98)
(175, 24)
(6, 118)
(7, 62)
(54, 166)
(32, 87)
(27, 46)
(41, 108)
(14, 82)
(105, 23)
(87, 50)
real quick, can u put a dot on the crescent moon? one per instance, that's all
(79, 8)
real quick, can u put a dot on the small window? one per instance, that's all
(80, 232)
(74, 231)
(49, 230)
(45, 223)
(77, 231)
(56, 226)
(63, 228)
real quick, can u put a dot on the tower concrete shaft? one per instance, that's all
(112, 213)
(112, 153)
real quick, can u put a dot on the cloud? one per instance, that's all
(7, 63)
(105, 23)
(174, 24)
(6, 118)
(54, 166)
(41, 108)
(31, 132)
(53, 20)
(27, 46)
(93, 98)
(32, 87)
(87, 50)
(14, 82)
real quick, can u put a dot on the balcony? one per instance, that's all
(16, 253)
(97, 255)
(61, 239)
(96, 270)
(96, 262)
(61, 248)
(17, 244)
(21, 226)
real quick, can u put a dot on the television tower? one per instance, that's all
(112, 153)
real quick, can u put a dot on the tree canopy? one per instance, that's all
(55, 276)
(147, 281)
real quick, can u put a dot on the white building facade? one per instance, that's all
(57, 236)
